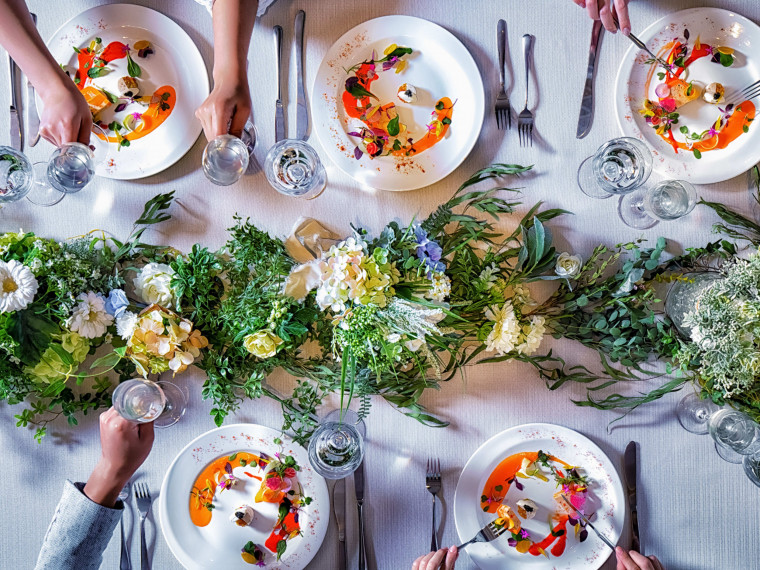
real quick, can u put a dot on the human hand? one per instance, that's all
(604, 10)
(124, 447)
(66, 116)
(227, 108)
(632, 560)
(444, 559)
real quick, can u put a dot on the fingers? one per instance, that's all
(605, 15)
(592, 8)
(642, 561)
(621, 9)
(85, 130)
(239, 119)
(416, 563)
(656, 563)
(625, 562)
(581, 3)
(451, 558)
(146, 432)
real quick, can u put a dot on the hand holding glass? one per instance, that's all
(141, 400)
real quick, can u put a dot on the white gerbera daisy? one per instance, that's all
(17, 286)
(90, 318)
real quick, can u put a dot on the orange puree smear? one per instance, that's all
(154, 116)
(742, 116)
(199, 514)
(431, 137)
(286, 530)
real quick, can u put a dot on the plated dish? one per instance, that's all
(143, 78)
(681, 112)
(398, 103)
(243, 496)
(517, 479)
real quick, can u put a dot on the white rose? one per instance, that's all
(568, 265)
(153, 284)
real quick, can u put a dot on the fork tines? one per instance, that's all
(433, 474)
(503, 112)
(525, 128)
(749, 92)
(491, 531)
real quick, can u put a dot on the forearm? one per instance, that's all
(233, 26)
(20, 38)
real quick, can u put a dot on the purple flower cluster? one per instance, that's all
(428, 251)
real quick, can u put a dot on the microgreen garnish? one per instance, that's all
(132, 68)
(110, 96)
(355, 88)
(393, 127)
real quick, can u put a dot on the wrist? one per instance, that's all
(229, 72)
(56, 86)
(105, 484)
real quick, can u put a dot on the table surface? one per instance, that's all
(696, 511)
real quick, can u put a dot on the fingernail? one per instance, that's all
(618, 549)
(627, 30)
(453, 549)
(583, 4)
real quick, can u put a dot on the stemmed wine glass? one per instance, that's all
(293, 168)
(142, 400)
(618, 167)
(226, 157)
(735, 434)
(666, 201)
(336, 448)
(694, 413)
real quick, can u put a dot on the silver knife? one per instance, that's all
(302, 112)
(32, 118)
(587, 103)
(17, 127)
(630, 482)
(339, 508)
(279, 114)
(359, 491)
(584, 518)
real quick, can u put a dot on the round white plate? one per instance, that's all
(716, 27)
(176, 61)
(439, 67)
(219, 544)
(606, 493)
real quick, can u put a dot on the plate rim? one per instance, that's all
(163, 496)
(617, 483)
(480, 108)
(158, 16)
(629, 59)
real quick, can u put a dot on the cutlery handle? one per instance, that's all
(124, 563)
(527, 43)
(278, 50)
(434, 539)
(144, 562)
(342, 555)
(635, 540)
(501, 41)
(362, 553)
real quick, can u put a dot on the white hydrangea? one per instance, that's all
(153, 284)
(126, 324)
(90, 318)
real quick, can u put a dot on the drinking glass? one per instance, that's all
(336, 448)
(751, 464)
(666, 201)
(225, 159)
(735, 434)
(619, 166)
(694, 413)
(141, 400)
(16, 176)
(683, 297)
(293, 168)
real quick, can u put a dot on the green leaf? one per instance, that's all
(393, 127)
(697, 154)
(132, 68)
(281, 548)
(110, 96)
(356, 90)
(94, 72)
(108, 361)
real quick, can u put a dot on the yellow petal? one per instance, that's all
(726, 50)
(401, 66)
(390, 49)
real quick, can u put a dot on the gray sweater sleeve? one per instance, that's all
(79, 532)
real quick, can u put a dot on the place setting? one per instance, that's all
(329, 341)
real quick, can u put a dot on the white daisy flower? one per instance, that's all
(17, 286)
(89, 318)
(126, 323)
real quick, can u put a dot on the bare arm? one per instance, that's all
(229, 105)
(66, 116)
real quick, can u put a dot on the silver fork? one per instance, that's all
(124, 563)
(143, 507)
(503, 111)
(746, 94)
(486, 534)
(525, 118)
(433, 484)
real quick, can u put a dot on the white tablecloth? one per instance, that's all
(696, 511)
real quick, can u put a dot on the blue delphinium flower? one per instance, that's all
(116, 303)
(428, 251)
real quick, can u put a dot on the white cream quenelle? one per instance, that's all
(243, 515)
(527, 508)
(407, 93)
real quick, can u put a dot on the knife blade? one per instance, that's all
(16, 125)
(359, 492)
(302, 112)
(32, 118)
(339, 509)
(584, 518)
(630, 460)
(587, 102)
(279, 113)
